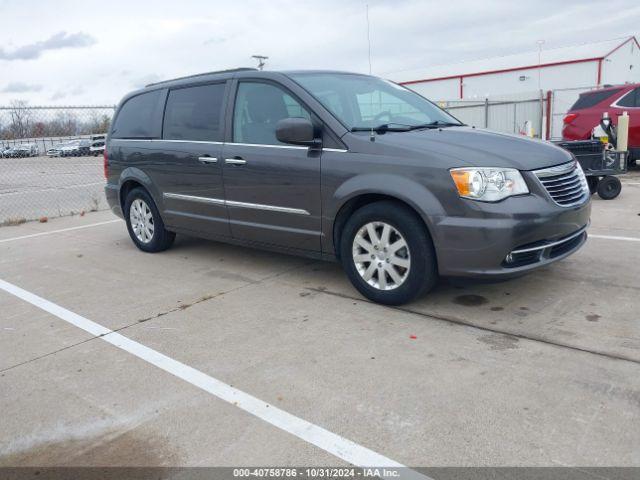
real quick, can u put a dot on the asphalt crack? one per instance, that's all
(467, 323)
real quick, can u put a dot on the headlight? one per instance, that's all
(488, 184)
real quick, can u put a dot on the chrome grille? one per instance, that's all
(565, 184)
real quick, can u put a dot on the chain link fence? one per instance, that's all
(51, 160)
(561, 100)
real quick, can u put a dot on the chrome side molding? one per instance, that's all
(272, 208)
(192, 198)
(233, 204)
(293, 147)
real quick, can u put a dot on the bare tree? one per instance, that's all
(19, 118)
(97, 123)
(20, 121)
(65, 123)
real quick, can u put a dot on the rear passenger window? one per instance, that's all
(590, 99)
(194, 113)
(631, 99)
(139, 117)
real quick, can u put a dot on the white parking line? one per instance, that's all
(611, 237)
(330, 442)
(13, 239)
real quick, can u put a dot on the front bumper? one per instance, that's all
(478, 244)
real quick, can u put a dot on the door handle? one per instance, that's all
(235, 161)
(207, 159)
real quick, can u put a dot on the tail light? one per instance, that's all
(106, 164)
(569, 118)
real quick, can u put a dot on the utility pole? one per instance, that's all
(261, 60)
(368, 39)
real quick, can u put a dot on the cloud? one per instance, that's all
(58, 96)
(21, 87)
(55, 42)
(214, 41)
(73, 92)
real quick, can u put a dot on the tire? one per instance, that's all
(609, 188)
(357, 249)
(160, 238)
(593, 184)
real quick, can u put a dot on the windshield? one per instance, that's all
(364, 102)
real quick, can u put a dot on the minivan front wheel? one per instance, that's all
(387, 253)
(144, 223)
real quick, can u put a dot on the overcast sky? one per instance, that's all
(90, 52)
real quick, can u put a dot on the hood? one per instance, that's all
(475, 147)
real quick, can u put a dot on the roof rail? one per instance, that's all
(201, 75)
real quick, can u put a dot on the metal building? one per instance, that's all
(587, 65)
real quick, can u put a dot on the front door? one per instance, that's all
(272, 190)
(191, 167)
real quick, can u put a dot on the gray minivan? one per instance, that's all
(340, 166)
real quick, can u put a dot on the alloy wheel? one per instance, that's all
(141, 219)
(381, 255)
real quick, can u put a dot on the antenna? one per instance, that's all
(261, 60)
(368, 39)
(371, 135)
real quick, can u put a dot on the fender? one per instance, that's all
(134, 173)
(414, 194)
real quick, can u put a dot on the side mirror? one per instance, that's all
(297, 131)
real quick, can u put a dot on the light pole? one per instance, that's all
(540, 43)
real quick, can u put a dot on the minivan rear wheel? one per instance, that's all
(144, 223)
(387, 253)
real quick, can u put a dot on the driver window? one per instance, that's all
(258, 108)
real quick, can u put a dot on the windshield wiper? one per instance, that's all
(402, 127)
(385, 127)
(437, 124)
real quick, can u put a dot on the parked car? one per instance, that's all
(340, 166)
(7, 152)
(76, 148)
(586, 112)
(27, 150)
(73, 148)
(56, 150)
(97, 144)
(20, 151)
